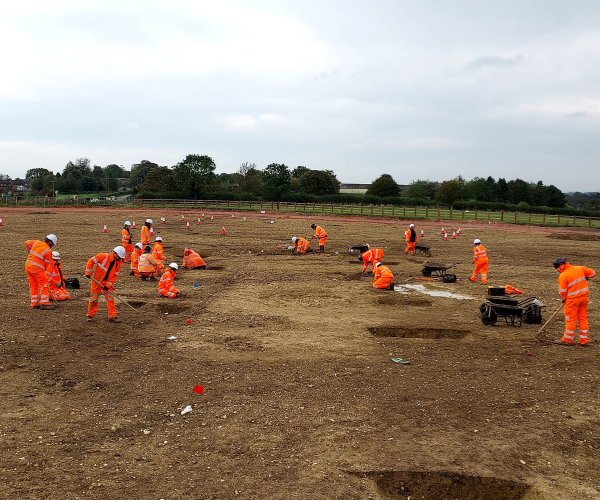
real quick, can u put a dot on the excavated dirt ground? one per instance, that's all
(302, 398)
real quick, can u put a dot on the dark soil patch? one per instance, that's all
(41, 213)
(575, 236)
(417, 333)
(171, 308)
(397, 299)
(436, 485)
(215, 268)
(136, 303)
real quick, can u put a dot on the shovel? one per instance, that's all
(113, 293)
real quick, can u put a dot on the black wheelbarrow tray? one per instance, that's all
(514, 311)
(431, 269)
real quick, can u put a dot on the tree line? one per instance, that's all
(194, 177)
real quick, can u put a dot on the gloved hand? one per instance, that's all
(88, 276)
(564, 300)
(105, 288)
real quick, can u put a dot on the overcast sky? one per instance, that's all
(416, 89)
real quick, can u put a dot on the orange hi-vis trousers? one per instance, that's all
(480, 267)
(96, 290)
(59, 293)
(576, 312)
(410, 247)
(39, 291)
(383, 282)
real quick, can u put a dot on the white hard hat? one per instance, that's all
(173, 265)
(377, 264)
(412, 225)
(120, 251)
(149, 221)
(139, 245)
(127, 223)
(158, 238)
(476, 241)
(294, 239)
(52, 238)
(55, 255)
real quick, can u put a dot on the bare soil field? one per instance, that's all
(302, 398)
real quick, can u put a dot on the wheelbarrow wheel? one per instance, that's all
(488, 315)
(426, 272)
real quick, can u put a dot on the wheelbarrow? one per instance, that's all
(423, 250)
(431, 269)
(515, 312)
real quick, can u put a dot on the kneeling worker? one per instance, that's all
(165, 285)
(301, 245)
(384, 278)
(56, 279)
(147, 265)
(192, 260)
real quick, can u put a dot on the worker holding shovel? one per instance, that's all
(575, 293)
(103, 270)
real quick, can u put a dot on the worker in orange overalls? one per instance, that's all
(147, 265)
(410, 236)
(301, 245)
(103, 270)
(192, 260)
(575, 293)
(371, 256)
(135, 259)
(165, 286)
(56, 279)
(321, 235)
(384, 278)
(480, 262)
(145, 232)
(126, 240)
(40, 255)
(157, 251)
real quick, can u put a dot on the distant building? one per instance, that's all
(362, 188)
(6, 186)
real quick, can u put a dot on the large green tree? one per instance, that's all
(450, 191)
(319, 182)
(276, 181)
(138, 173)
(384, 185)
(424, 190)
(195, 176)
(159, 181)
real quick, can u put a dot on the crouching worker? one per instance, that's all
(192, 260)
(56, 279)
(371, 256)
(384, 278)
(301, 245)
(147, 265)
(165, 286)
(103, 270)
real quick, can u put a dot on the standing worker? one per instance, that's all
(165, 286)
(126, 240)
(575, 293)
(40, 255)
(410, 236)
(384, 278)
(56, 279)
(103, 277)
(135, 259)
(480, 262)
(158, 252)
(371, 256)
(321, 235)
(301, 245)
(145, 232)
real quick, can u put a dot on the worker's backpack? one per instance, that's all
(72, 283)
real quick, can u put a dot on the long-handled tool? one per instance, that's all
(113, 293)
(548, 320)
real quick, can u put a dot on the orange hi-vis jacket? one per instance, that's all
(479, 254)
(302, 245)
(382, 277)
(145, 235)
(147, 263)
(572, 282)
(135, 258)
(125, 237)
(55, 274)
(157, 251)
(192, 259)
(371, 256)
(165, 286)
(40, 255)
(410, 235)
(107, 269)
(321, 235)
